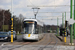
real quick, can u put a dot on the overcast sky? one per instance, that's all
(21, 7)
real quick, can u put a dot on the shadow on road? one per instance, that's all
(2, 41)
(27, 41)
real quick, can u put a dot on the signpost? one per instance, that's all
(6, 27)
(71, 21)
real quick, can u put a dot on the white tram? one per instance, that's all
(33, 29)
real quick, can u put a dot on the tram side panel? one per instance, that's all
(39, 31)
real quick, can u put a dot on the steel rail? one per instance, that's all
(41, 48)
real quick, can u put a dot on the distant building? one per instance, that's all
(51, 28)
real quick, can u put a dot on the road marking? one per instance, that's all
(3, 44)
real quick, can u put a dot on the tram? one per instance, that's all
(32, 29)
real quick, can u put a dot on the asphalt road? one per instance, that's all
(19, 38)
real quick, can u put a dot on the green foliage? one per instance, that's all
(57, 34)
(19, 34)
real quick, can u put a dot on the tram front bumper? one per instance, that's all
(31, 38)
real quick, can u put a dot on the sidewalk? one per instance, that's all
(37, 47)
(67, 40)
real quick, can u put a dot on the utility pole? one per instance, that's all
(65, 16)
(50, 30)
(74, 19)
(65, 29)
(12, 22)
(62, 19)
(57, 27)
(3, 20)
(71, 25)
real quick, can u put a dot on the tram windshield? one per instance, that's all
(29, 27)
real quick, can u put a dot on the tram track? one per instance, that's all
(27, 43)
(41, 42)
(50, 43)
(22, 44)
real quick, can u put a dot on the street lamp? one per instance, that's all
(3, 20)
(35, 10)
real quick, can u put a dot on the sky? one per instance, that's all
(24, 7)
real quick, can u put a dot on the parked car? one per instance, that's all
(6, 36)
(14, 35)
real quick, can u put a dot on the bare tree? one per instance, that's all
(21, 17)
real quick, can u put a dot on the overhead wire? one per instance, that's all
(32, 4)
(49, 6)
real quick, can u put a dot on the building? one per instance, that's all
(50, 28)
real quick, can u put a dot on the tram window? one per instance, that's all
(25, 24)
(36, 25)
(36, 31)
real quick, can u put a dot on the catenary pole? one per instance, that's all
(71, 25)
(65, 29)
(62, 19)
(74, 19)
(57, 27)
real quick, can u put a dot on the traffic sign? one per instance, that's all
(71, 21)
